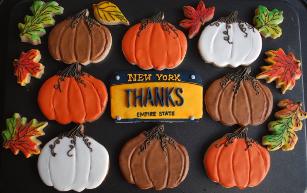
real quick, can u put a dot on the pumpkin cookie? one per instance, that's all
(73, 161)
(237, 161)
(239, 98)
(154, 160)
(73, 96)
(154, 44)
(79, 39)
(230, 42)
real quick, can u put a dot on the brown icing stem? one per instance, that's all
(158, 18)
(240, 133)
(157, 133)
(83, 15)
(73, 70)
(78, 131)
(242, 74)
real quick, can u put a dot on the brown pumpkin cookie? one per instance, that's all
(239, 98)
(79, 39)
(154, 160)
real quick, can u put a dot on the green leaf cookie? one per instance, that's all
(289, 120)
(267, 22)
(33, 27)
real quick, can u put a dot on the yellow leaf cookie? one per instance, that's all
(108, 13)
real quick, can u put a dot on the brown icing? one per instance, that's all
(239, 99)
(154, 160)
(79, 39)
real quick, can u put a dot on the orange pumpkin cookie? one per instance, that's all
(154, 44)
(239, 98)
(154, 160)
(237, 161)
(79, 39)
(73, 96)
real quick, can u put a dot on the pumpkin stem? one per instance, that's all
(73, 70)
(83, 15)
(242, 74)
(78, 131)
(158, 19)
(158, 134)
(240, 133)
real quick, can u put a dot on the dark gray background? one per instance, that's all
(19, 175)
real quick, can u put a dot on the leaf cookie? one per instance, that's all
(28, 65)
(289, 120)
(20, 135)
(196, 17)
(267, 22)
(108, 13)
(284, 68)
(33, 27)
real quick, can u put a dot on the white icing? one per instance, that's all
(85, 169)
(243, 50)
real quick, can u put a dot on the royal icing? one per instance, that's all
(73, 162)
(156, 96)
(230, 42)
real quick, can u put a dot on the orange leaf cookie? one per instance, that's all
(28, 65)
(154, 44)
(284, 68)
(20, 135)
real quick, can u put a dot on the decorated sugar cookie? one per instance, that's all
(168, 96)
(21, 135)
(230, 42)
(73, 96)
(283, 68)
(79, 39)
(237, 161)
(196, 17)
(154, 44)
(239, 99)
(282, 131)
(108, 13)
(28, 66)
(33, 27)
(73, 161)
(267, 22)
(154, 160)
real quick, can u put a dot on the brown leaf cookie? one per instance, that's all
(154, 160)
(239, 98)
(79, 39)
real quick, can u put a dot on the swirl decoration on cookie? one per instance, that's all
(239, 99)
(154, 44)
(230, 42)
(79, 39)
(73, 134)
(73, 96)
(158, 134)
(237, 161)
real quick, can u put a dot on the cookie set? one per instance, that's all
(155, 92)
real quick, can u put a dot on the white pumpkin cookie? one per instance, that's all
(73, 161)
(230, 42)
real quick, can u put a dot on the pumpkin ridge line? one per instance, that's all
(218, 162)
(52, 103)
(264, 162)
(184, 161)
(167, 179)
(265, 89)
(129, 163)
(83, 102)
(266, 103)
(231, 163)
(106, 42)
(67, 98)
(180, 47)
(97, 94)
(250, 114)
(250, 166)
(149, 48)
(218, 101)
(74, 44)
(232, 108)
(60, 41)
